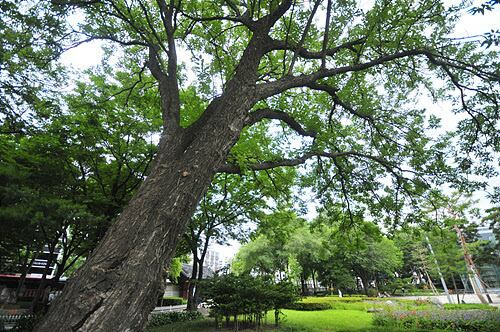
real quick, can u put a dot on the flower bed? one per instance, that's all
(457, 320)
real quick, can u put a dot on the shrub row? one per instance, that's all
(308, 306)
(468, 306)
(456, 320)
(172, 300)
(166, 318)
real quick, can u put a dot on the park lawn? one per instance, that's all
(325, 320)
(293, 321)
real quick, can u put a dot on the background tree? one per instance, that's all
(223, 214)
(68, 177)
(32, 36)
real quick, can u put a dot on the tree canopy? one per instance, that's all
(342, 80)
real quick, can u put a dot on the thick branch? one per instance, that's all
(306, 54)
(266, 90)
(267, 113)
(235, 169)
(274, 16)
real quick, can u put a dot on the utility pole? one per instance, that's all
(450, 300)
(475, 281)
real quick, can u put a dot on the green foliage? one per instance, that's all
(230, 295)
(166, 318)
(172, 300)
(32, 36)
(64, 181)
(309, 306)
(175, 267)
(468, 306)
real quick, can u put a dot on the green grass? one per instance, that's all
(347, 314)
(326, 320)
(294, 321)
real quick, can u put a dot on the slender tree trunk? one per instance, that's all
(455, 287)
(314, 282)
(191, 306)
(39, 295)
(201, 262)
(196, 295)
(303, 284)
(24, 273)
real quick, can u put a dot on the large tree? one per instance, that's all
(341, 78)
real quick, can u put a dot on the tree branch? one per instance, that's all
(304, 35)
(306, 54)
(267, 113)
(266, 90)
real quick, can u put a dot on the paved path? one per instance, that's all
(157, 310)
(468, 298)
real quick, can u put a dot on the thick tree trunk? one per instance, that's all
(115, 290)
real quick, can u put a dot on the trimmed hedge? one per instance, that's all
(309, 306)
(166, 318)
(456, 320)
(172, 300)
(468, 306)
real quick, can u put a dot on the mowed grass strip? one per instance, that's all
(294, 321)
(325, 320)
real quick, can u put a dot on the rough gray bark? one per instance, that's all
(116, 288)
(124, 272)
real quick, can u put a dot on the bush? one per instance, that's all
(456, 320)
(309, 306)
(372, 292)
(172, 300)
(230, 296)
(166, 318)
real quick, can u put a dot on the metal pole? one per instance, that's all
(473, 274)
(450, 300)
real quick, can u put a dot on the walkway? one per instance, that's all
(158, 310)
